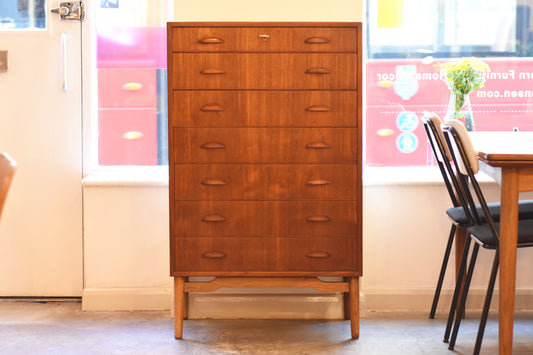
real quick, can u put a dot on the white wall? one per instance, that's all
(405, 229)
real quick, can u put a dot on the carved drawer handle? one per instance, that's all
(213, 145)
(213, 255)
(211, 40)
(209, 108)
(318, 109)
(212, 71)
(318, 145)
(318, 219)
(317, 71)
(214, 218)
(213, 182)
(318, 255)
(316, 40)
(318, 182)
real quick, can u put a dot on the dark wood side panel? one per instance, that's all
(265, 145)
(240, 182)
(263, 218)
(260, 71)
(264, 109)
(264, 39)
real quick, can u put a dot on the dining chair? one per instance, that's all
(459, 216)
(7, 169)
(484, 232)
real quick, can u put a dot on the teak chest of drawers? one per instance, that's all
(265, 157)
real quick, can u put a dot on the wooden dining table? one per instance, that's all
(507, 157)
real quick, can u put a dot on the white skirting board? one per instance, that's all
(126, 299)
(284, 305)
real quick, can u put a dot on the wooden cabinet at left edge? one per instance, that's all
(265, 143)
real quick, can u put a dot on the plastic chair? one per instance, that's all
(484, 232)
(459, 216)
(7, 169)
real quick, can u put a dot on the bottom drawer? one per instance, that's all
(219, 255)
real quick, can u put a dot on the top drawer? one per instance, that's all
(263, 39)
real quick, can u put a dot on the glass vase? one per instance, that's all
(459, 107)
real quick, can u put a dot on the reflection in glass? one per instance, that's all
(22, 14)
(132, 89)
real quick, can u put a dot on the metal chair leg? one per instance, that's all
(442, 271)
(464, 295)
(457, 290)
(486, 306)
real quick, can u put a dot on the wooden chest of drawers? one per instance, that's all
(265, 156)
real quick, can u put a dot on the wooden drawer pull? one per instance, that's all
(213, 255)
(212, 71)
(318, 145)
(213, 145)
(318, 255)
(318, 182)
(316, 40)
(211, 40)
(210, 108)
(213, 182)
(318, 219)
(214, 218)
(317, 71)
(317, 109)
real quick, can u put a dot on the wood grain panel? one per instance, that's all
(256, 254)
(265, 145)
(264, 182)
(322, 254)
(262, 71)
(226, 254)
(265, 109)
(263, 218)
(264, 39)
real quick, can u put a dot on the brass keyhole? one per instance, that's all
(264, 37)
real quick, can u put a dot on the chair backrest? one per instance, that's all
(7, 169)
(432, 124)
(465, 159)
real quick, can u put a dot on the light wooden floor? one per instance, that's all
(62, 328)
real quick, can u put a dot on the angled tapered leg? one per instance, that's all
(442, 271)
(179, 306)
(354, 306)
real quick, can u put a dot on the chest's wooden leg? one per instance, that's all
(179, 306)
(354, 306)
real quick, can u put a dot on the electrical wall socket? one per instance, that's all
(3, 61)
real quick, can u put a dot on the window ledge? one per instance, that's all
(372, 176)
(408, 176)
(127, 176)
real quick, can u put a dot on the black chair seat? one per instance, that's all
(484, 235)
(458, 215)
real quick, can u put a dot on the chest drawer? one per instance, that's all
(264, 109)
(265, 145)
(275, 71)
(225, 254)
(264, 39)
(264, 218)
(264, 182)
(219, 255)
